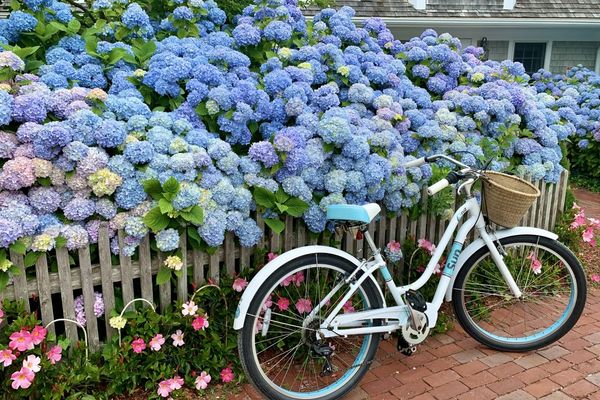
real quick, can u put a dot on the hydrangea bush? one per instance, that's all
(170, 120)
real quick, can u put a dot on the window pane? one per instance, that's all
(531, 55)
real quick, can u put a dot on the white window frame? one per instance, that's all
(547, 54)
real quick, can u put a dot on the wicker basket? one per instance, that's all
(507, 198)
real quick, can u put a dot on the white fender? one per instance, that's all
(477, 244)
(269, 269)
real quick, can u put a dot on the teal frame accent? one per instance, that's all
(385, 272)
(452, 259)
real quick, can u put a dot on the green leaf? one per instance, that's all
(64, 343)
(31, 258)
(19, 247)
(165, 206)
(24, 52)
(163, 276)
(171, 186)
(115, 55)
(156, 220)
(74, 25)
(201, 109)
(276, 225)
(60, 242)
(15, 5)
(296, 207)
(195, 215)
(58, 26)
(263, 197)
(194, 236)
(152, 187)
(281, 196)
(281, 207)
(3, 280)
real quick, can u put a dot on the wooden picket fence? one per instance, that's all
(55, 291)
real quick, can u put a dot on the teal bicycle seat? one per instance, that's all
(351, 212)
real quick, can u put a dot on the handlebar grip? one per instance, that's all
(438, 186)
(415, 163)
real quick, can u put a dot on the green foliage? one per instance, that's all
(282, 203)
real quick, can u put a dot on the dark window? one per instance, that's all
(531, 55)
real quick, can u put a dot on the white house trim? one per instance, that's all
(511, 50)
(548, 55)
(509, 4)
(418, 4)
(598, 61)
(488, 22)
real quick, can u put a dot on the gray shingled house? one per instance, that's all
(550, 34)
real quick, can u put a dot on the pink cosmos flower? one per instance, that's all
(227, 375)
(7, 357)
(38, 334)
(240, 284)
(427, 245)
(594, 278)
(22, 378)
(138, 345)
(588, 235)
(32, 363)
(54, 354)
(176, 383)
(164, 388)
(271, 256)
(178, 338)
(201, 322)
(156, 342)
(304, 306)
(21, 341)
(348, 307)
(203, 380)
(536, 265)
(189, 308)
(283, 304)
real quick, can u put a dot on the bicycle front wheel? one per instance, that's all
(553, 286)
(280, 350)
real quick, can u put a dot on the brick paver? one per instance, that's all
(451, 366)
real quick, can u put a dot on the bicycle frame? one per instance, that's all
(336, 324)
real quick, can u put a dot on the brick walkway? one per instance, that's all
(453, 365)
(590, 201)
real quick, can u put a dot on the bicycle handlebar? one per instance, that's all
(438, 186)
(444, 183)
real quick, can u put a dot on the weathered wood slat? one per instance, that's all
(145, 270)
(548, 205)
(402, 228)
(89, 299)
(43, 279)
(198, 273)
(533, 211)
(214, 268)
(422, 221)
(539, 219)
(20, 279)
(66, 291)
(288, 240)
(164, 290)
(106, 272)
(563, 192)
(126, 278)
(182, 279)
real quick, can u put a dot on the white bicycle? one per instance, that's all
(310, 321)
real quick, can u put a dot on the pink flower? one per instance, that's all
(427, 245)
(138, 345)
(38, 334)
(578, 220)
(176, 383)
(22, 378)
(394, 246)
(7, 357)
(178, 338)
(268, 303)
(201, 322)
(203, 380)
(595, 278)
(156, 342)
(258, 327)
(240, 284)
(594, 222)
(299, 278)
(227, 375)
(304, 306)
(271, 256)
(536, 265)
(288, 279)
(164, 388)
(283, 304)
(348, 307)
(32, 363)
(21, 341)
(1, 315)
(54, 354)
(189, 308)
(588, 235)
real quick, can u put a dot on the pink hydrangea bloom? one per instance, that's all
(283, 304)
(21, 341)
(200, 322)
(240, 284)
(203, 380)
(304, 306)
(178, 338)
(7, 357)
(156, 342)
(138, 345)
(54, 354)
(227, 375)
(22, 378)
(38, 334)
(17, 173)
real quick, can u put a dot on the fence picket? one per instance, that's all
(164, 290)
(20, 280)
(539, 219)
(214, 269)
(182, 279)
(66, 291)
(89, 299)
(548, 205)
(108, 291)
(42, 278)
(198, 272)
(146, 270)
(126, 278)
(563, 192)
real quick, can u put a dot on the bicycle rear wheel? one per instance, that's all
(554, 290)
(279, 349)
